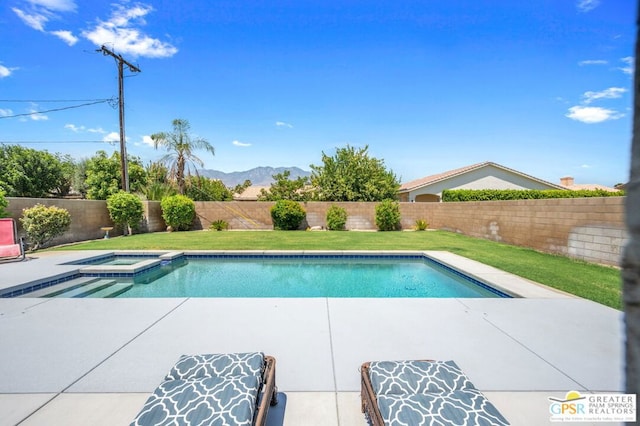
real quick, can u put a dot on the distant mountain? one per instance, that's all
(259, 176)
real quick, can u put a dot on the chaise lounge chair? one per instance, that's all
(11, 247)
(212, 389)
(423, 393)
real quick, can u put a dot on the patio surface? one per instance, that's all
(94, 361)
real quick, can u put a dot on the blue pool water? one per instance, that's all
(317, 277)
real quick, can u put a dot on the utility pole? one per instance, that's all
(123, 145)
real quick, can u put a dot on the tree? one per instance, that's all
(3, 204)
(631, 257)
(26, 172)
(287, 215)
(42, 224)
(200, 188)
(158, 185)
(283, 188)
(351, 175)
(180, 146)
(178, 212)
(125, 209)
(68, 168)
(103, 177)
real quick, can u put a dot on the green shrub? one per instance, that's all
(336, 218)
(3, 204)
(219, 225)
(42, 224)
(388, 215)
(125, 209)
(450, 195)
(178, 212)
(287, 215)
(421, 225)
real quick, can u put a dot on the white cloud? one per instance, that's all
(6, 72)
(82, 129)
(74, 128)
(242, 144)
(146, 139)
(57, 5)
(593, 62)
(590, 115)
(5, 112)
(120, 33)
(112, 137)
(283, 124)
(34, 20)
(630, 65)
(66, 36)
(585, 166)
(610, 93)
(587, 5)
(36, 116)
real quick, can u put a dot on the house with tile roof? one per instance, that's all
(487, 175)
(569, 183)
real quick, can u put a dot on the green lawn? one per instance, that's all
(598, 283)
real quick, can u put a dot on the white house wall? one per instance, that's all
(485, 178)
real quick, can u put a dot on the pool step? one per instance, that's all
(56, 289)
(114, 290)
(88, 288)
(83, 287)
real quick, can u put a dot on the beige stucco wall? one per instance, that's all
(591, 229)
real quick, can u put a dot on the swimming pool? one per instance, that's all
(273, 275)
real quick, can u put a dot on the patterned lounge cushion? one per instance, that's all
(413, 377)
(220, 365)
(204, 401)
(461, 407)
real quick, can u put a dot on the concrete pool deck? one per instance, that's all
(95, 361)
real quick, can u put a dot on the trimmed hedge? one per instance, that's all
(388, 215)
(450, 195)
(42, 224)
(178, 212)
(287, 215)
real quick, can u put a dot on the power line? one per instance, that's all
(55, 109)
(53, 142)
(54, 100)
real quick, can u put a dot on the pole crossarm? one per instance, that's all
(118, 58)
(123, 146)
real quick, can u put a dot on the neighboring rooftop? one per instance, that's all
(569, 183)
(428, 180)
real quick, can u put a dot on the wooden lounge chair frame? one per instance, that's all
(269, 391)
(17, 243)
(368, 396)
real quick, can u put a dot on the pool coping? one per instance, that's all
(491, 278)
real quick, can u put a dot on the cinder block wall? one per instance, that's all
(591, 229)
(87, 217)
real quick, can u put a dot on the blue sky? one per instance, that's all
(543, 86)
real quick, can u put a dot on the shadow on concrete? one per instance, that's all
(276, 413)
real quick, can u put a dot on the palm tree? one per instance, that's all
(180, 147)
